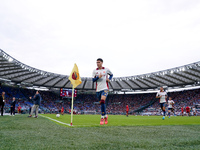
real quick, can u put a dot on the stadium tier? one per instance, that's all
(88, 104)
(13, 71)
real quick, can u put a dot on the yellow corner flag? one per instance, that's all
(75, 81)
(75, 77)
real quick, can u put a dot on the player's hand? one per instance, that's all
(100, 75)
(30, 97)
(107, 80)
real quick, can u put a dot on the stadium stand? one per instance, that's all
(116, 103)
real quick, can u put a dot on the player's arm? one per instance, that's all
(157, 96)
(35, 97)
(110, 78)
(166, 95)
(110, 75)
(95, 78)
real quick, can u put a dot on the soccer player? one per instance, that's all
(62, 111)
(162, 95)
(100, 76)
(194, 111)
(127, 109)
(182, 111)
(170, 105)
(19, 109)
(187, 111)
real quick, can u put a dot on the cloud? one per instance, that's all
(133, 37)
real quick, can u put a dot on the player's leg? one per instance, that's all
(173, 110)
(104, 95)
(13, 111)
(10, 111)
(2, 105)
(36, 111)
(98, 94)
(169, 112)
(103, 109)
(32, 109)
(163, 109)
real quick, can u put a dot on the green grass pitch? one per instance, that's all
(119, 120)
(121, 132)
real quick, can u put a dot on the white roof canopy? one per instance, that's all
(15, 71)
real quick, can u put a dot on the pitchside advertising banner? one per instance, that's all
(67, 92)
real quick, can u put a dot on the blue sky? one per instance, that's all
(133, 37)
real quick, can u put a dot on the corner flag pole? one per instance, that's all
(72, 105)
(75, 81)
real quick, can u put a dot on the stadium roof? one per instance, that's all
(12, 70)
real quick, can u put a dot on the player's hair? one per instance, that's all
(100, 59)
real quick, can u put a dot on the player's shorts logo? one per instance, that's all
(75, 75)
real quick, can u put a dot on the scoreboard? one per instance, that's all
(67, 92)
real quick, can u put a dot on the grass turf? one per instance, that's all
(133, 132)
(119, 120)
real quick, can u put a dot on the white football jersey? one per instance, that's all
(194, 109)
(170, 102)
(163, 94)
(101, 83)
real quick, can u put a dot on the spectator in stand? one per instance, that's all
(12, 107)
(2, 102)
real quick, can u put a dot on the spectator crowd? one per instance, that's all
(116, 103)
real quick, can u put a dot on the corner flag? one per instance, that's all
(75, 81)
(75, 77)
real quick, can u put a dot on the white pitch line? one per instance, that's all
(56, 120)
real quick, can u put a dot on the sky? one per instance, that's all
(132, 37)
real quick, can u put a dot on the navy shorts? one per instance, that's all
(162, 105)
(101, 93)
(170, 108)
